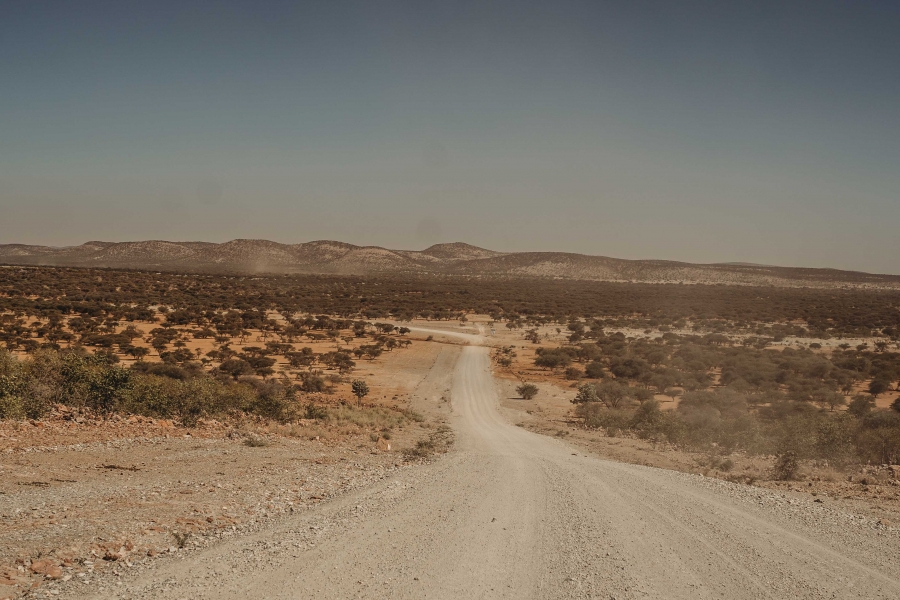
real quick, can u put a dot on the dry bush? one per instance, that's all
(423, 449)
(786, 467)
(596, 416)
(365, 417)
(181, 539)
(527, 391)
(256, 441)
(438, 441)
(413, 415)
(30, 386)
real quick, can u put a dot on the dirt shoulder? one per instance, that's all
(83, 496)
(872, 491)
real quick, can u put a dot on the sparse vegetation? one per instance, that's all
(181, 538)
(527, 390)
(438, 441)
(731, 393)
(360, 389)
(786, 466)
(256, 441)
(218, 304)
(107, 341)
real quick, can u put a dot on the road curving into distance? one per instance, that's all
(513, 514)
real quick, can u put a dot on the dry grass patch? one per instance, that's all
(365, 417)
(438, 441)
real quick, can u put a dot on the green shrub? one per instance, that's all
(151, 396)
(861, 405)
(552, 358)
(11, 407)
(878, 439)
(312, 382)
(595, 370)
(595, 416)
(574, 373)
(315, 412)
(273, 401)
(12, 387)
(587, 393)
(651, 423)
(28, 388)
(834, 439)
(21, 396)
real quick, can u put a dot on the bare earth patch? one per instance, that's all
(81, 495)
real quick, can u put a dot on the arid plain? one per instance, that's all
(389, 435)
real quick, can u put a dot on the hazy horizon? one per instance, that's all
(764, 133)
(448, 242)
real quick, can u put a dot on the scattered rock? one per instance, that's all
(112, 555)
(47, 568)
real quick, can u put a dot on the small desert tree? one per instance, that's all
(587, 392)
(138, 352)
(642, 394)
(861, 405)
(360, 390)
(594, 370)
(612, 393)
(833, 400)
(527, 390)
(878, 386)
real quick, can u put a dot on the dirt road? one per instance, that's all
(511, 514)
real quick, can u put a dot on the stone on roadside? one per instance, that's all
(46, 568)
(112, 555)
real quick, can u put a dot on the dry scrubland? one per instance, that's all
(805, 424)
(87, 490)
(145, 412)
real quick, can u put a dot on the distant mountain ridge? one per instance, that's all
(332, 257)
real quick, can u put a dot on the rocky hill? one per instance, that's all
(330, 257)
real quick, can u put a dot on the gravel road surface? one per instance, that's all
(512, 514)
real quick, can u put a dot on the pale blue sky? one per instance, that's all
(697, 131)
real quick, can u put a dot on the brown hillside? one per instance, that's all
(332, 257)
